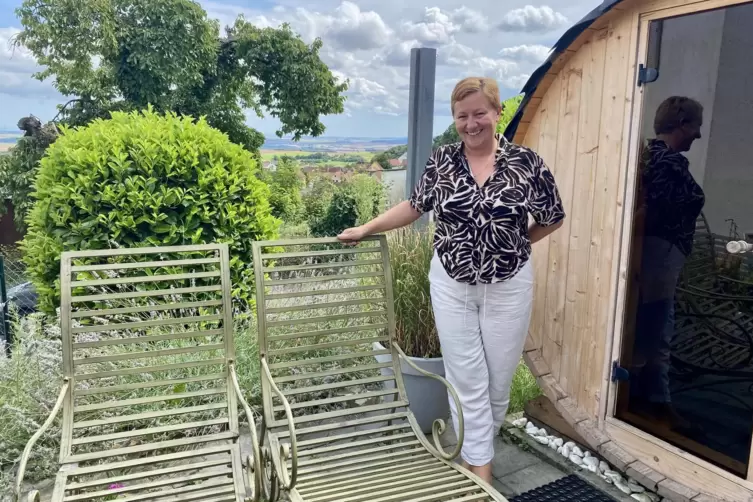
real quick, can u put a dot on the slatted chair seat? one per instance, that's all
(714, 329)
(150, 397)
(336, 420)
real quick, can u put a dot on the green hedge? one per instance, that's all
(144, 179)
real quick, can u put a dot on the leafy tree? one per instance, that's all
(121, 55)
(509, 107)
(317, 199)
(354, 202)
(286, 183)
(145, 179)
(18, 167)
(383, 158)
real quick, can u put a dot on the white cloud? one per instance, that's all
(347, 27)
(369, 42)
(532, 19)
(436, 28)
(469, 20)
(534, 53)
(17, 65)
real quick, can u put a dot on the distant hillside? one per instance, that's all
(333, 144)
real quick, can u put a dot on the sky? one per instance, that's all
(365, 41)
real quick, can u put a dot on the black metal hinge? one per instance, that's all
(619, 374)
(646, 75)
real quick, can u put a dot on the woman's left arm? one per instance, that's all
(544, 204)
(537, 232)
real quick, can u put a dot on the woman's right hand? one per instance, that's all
(352, 235)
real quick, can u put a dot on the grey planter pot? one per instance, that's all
(428, 397)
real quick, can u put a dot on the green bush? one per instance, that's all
(354, 202)
(285, 185)
(318, 198)
(143, 179)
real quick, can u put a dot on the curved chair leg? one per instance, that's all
(33, 496)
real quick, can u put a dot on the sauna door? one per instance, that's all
(687, 329)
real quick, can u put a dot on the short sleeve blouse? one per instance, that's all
(482, 232)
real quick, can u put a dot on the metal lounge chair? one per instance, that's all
(336, 419)
(150, 393)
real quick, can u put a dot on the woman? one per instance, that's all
(669, 204)
(482, 191)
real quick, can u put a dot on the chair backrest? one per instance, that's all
(326, 324)
(701, 264)
(147, 337)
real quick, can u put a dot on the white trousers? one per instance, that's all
(482, 330)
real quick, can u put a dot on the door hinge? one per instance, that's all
(646, 75)
(619, 374)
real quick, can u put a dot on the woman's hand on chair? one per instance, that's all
(352, 235)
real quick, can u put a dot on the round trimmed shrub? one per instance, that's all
(145, 179)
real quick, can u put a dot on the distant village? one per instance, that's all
(338, 174)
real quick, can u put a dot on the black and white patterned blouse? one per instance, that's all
(482, 232)
(672, 199)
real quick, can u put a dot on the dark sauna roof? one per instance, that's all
(559, 47)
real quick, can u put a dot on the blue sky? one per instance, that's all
(366, 41)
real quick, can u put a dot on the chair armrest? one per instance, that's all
(46, 425)
(438, 427)
(286, 451)
(254, 467)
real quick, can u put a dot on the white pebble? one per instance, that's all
(534, 431)
(603, 466)
(520, 423)
(541, 440)
(635, 487)
(570, 445)
(566, 450)
(591, 462)
(559, 450)
(558, 442)
(542, 432)
(614, 476)
(577, 451)
(575, 459)
(606, 479)
(586, 454)
(530, 425)
(641, 497)
(623, 487)
(593, 469)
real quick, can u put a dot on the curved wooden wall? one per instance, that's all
(579, 120)
(577, 127)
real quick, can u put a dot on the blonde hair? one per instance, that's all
(676, 111)
(470, 85)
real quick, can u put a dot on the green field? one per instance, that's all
(270, 154)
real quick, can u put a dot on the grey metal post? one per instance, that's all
(423, 67)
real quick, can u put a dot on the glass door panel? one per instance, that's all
(688, 332)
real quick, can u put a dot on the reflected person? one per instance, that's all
(670, 201)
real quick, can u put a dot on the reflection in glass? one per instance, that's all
(688, 332)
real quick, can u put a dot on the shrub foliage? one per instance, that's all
(354, 202)
(143, 179)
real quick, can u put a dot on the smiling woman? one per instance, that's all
(482, 191)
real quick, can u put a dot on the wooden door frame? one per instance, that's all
(669, 460)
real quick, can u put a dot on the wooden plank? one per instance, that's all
(554, 324)
(684, 6)
(542, 410)
(530, 111)
(548, 114)
(531, 141)
(625, 189)
(678, 465)
(578, 333)
(607, 208)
